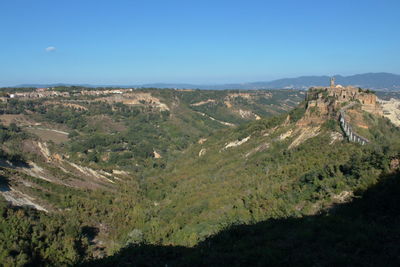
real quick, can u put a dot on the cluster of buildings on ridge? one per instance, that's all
(343, 94)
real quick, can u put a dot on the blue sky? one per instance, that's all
(208, 42)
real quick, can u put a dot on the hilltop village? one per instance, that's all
(324, 103)
(334, 97)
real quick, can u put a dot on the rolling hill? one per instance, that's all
(187, 176)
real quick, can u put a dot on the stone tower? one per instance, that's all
(332, 82)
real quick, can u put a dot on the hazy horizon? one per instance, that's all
(189, 83)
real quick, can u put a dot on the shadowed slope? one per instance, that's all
(364, 232)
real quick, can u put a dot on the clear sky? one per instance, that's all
(203, 41)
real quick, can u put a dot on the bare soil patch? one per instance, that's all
(49, 134)
(18, 119)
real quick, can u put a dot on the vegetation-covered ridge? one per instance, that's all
(199, 188)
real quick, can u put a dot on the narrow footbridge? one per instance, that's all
(347, 129)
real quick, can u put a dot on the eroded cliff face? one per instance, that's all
(369, 104)
(317, 112)
(391, 110)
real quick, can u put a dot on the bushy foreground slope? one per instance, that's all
(364, 232)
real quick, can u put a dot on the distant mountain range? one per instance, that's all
(376, 81)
